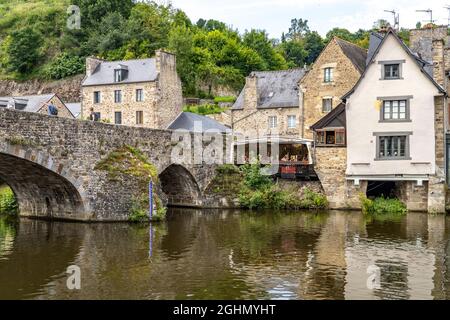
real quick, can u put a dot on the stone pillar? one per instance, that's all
(437, 185)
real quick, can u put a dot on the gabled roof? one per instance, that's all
(423, 65)
(141, 70)
(374, 42)
(74, 108)
(335, 116)
(190, 121)
(31, 103)
(276, 89)
(354, 53)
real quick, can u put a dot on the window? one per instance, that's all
(393, 147)
(97, 97)
(327, 104)
(139, 117)
(139, 95)
(392, 71)
(330, 137)
(328, 75)
(117, 96)
(272, 122)
(97, 116)
(118, 117)
(292, 122)
(118, 75)
(395, 110)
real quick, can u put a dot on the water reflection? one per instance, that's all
(230, 255)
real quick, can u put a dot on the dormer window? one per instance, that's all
(120, 73)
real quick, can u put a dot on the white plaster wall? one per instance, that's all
(363, 117)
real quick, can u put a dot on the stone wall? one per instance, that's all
(62, 109)
(414, 196)
(437, 185)
(69, 89)
(420, 40)
(314, 89)
(330, 166)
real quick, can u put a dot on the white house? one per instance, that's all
(395, 131)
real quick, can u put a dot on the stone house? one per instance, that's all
(334, 73)
(269, 104)
(395, 118)
(144, 92)
(37, 103)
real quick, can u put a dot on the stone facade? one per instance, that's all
(314, 89)
(62, 109)
(50, 163)
(162, 98)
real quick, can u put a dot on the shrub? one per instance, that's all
(382, 205)
(8, 203)
(64, 66)
(227, 99)
(140, 210)
(205, 109)
(253, 178)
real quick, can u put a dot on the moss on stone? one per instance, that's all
(19, 141)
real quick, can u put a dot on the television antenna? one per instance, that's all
(430, 12)
(448, 20)
(396, 18)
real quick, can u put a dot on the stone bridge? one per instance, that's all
(50, 164)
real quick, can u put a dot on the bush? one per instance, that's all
(382, 205)
(64, 66)
(24, 50)
(205, 109)
(227, 99)
(8, 203)
(253, 178)
(140, 211)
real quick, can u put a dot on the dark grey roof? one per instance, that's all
(142, 70)
(422, 64)
(26, 103)
(374, 42)
(74, 108)
(354, 53)
(276, 89)
(335, 118)
(197, 123)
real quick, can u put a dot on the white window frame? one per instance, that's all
(292, 124)
(273, 122)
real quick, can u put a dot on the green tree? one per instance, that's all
(259, 41)
(299, 28)
(341, 33)
(313, 45)
(24, 50)
(93, 11)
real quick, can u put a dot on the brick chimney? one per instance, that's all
(251, 92)
(92, 64)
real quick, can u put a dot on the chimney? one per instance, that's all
(165, 61)
(91, 64)
(251, 92)
(438, 62)
(421, 40)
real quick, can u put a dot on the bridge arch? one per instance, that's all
(180, 187)
(41, 185)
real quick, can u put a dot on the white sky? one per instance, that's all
(275, 15)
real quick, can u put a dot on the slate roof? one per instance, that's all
(141, 70)
(74, 108)
(354, 53)
(335, 118)
(276, 89)
(26, 103)
(188, 121)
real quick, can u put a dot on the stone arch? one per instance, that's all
(180, 187)
(44, 188)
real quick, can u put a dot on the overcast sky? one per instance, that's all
(275, 15)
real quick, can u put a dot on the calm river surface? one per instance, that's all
(231, 255)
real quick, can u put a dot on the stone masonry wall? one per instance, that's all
(62, 109)
(314, 89)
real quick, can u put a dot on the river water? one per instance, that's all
(220, 254)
